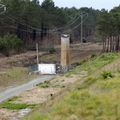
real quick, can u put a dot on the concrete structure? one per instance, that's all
(65, 52)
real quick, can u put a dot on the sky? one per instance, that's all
(97, 4)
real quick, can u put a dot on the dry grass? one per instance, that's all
(14, 76)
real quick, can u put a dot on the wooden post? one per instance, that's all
(65, 52)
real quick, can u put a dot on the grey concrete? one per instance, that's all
(17, 90)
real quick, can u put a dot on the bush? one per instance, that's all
(51, 49)
(10, 43)
(107, 74)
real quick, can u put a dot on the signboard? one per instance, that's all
(47, 68)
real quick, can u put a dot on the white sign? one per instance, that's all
(47, 68)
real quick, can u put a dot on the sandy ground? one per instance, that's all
(6, 114)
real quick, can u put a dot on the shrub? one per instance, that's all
(45, 84)
(10, 43)
(51, 50)
(93, 56)
(107, 74)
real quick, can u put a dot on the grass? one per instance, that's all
(94, 63)
(15, 106)
(84, 102)
(45, 84)
(52, 84)
(14, 76)
(107, 74)
(14, 73)
(9, 104)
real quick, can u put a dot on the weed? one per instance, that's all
(15, 106)
(107, 74)
(51, 50)
(89, 81)
(45, 84)
(93, 56)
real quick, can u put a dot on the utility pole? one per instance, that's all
(83, 15)
(81, 28)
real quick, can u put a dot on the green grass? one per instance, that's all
(9, 104)
(84, 102)
(45, 84)
(107, 74)
(15, 106)
(94, 63)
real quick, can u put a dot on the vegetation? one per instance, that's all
(45, 84)
(9, 104)
(91, 99)
(10, 43)
(29, 19)
(51, 50)
(94, 63)
(108, 22)
(15, 76)
(107, 74)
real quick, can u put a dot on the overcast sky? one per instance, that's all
(98, 4)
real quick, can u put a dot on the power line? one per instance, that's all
(79, 23)
(51, 30)
(71, 22)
